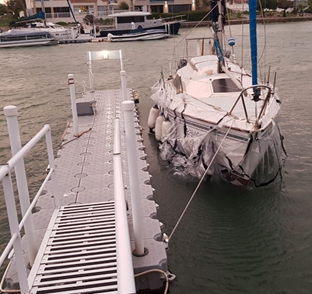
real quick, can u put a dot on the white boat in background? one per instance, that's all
(214, 118)
(139, 35)
(26, 38)
(125, 22)
(37, 22)
(58, 31)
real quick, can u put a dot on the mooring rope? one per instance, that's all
(201, 180)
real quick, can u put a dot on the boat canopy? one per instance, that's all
(39, 15)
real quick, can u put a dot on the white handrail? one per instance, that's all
(128, 107)
(21, 180)
(20, 154)
(125, 280)
(33, 203)
(106, 55)
(5, 177)
(7, 249)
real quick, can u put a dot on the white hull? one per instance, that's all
(142, 36)
(26, 38)
(30, 43)
(212, 127)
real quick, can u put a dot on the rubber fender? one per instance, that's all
(165, 128)
(158, 127)
(153, 114)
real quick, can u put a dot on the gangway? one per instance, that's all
(97, 223)
(82, 250)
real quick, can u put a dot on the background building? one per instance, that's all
(59, 11)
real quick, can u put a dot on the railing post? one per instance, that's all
(128, 107)
(123, 85)
(90, 72)
(52, 167)
(11, 116)
(73, 33)
(71, 83)
(13, 222)
(125, 275)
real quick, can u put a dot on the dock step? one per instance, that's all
(78, 252)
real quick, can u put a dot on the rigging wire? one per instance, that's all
(264, 28)
(195, 26)
(264, 46)
(201, 180)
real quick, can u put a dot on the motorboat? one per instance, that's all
(214, 118)
(38, 22)
(139, 35)
(125, 22)
(58, 31)
(26, 38)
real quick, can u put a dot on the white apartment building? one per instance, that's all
(59, 10)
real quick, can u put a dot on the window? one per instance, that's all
(61, 9)
(224, 86)
(130, 19)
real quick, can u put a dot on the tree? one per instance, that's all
(123, 6)
(310, 4)
(269, 4)
(89, 19)
(2, 9)
(284, 4)
(16, 5)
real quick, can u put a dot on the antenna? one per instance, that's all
(274, 82)
(268, 80)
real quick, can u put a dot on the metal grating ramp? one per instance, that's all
(78, 252)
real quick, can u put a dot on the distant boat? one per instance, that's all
(125, 22)
(58, 31)
(24, 38)
(139, 35)
(36, 23)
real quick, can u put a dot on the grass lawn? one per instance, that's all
(5, 20)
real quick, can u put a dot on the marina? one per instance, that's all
(230, 240)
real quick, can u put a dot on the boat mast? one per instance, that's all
(44, 14)
(253, 45)
(71, 10)
(220, 24)
(217, 18)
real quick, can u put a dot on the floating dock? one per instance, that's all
(82, 224)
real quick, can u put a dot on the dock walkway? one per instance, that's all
(78, 239)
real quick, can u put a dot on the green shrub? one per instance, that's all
(6, 19)
(123, 6)
(61, 23)
(188, 15)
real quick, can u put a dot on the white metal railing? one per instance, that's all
(128, 108)
(105, 55)
(17, 163)
(60, 14)
(125, 274)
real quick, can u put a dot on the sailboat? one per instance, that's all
(214, 118)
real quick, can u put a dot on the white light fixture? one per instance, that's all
(105, 54)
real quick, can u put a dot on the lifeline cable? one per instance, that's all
(201, 180)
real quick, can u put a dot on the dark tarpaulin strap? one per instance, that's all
(185, 127)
